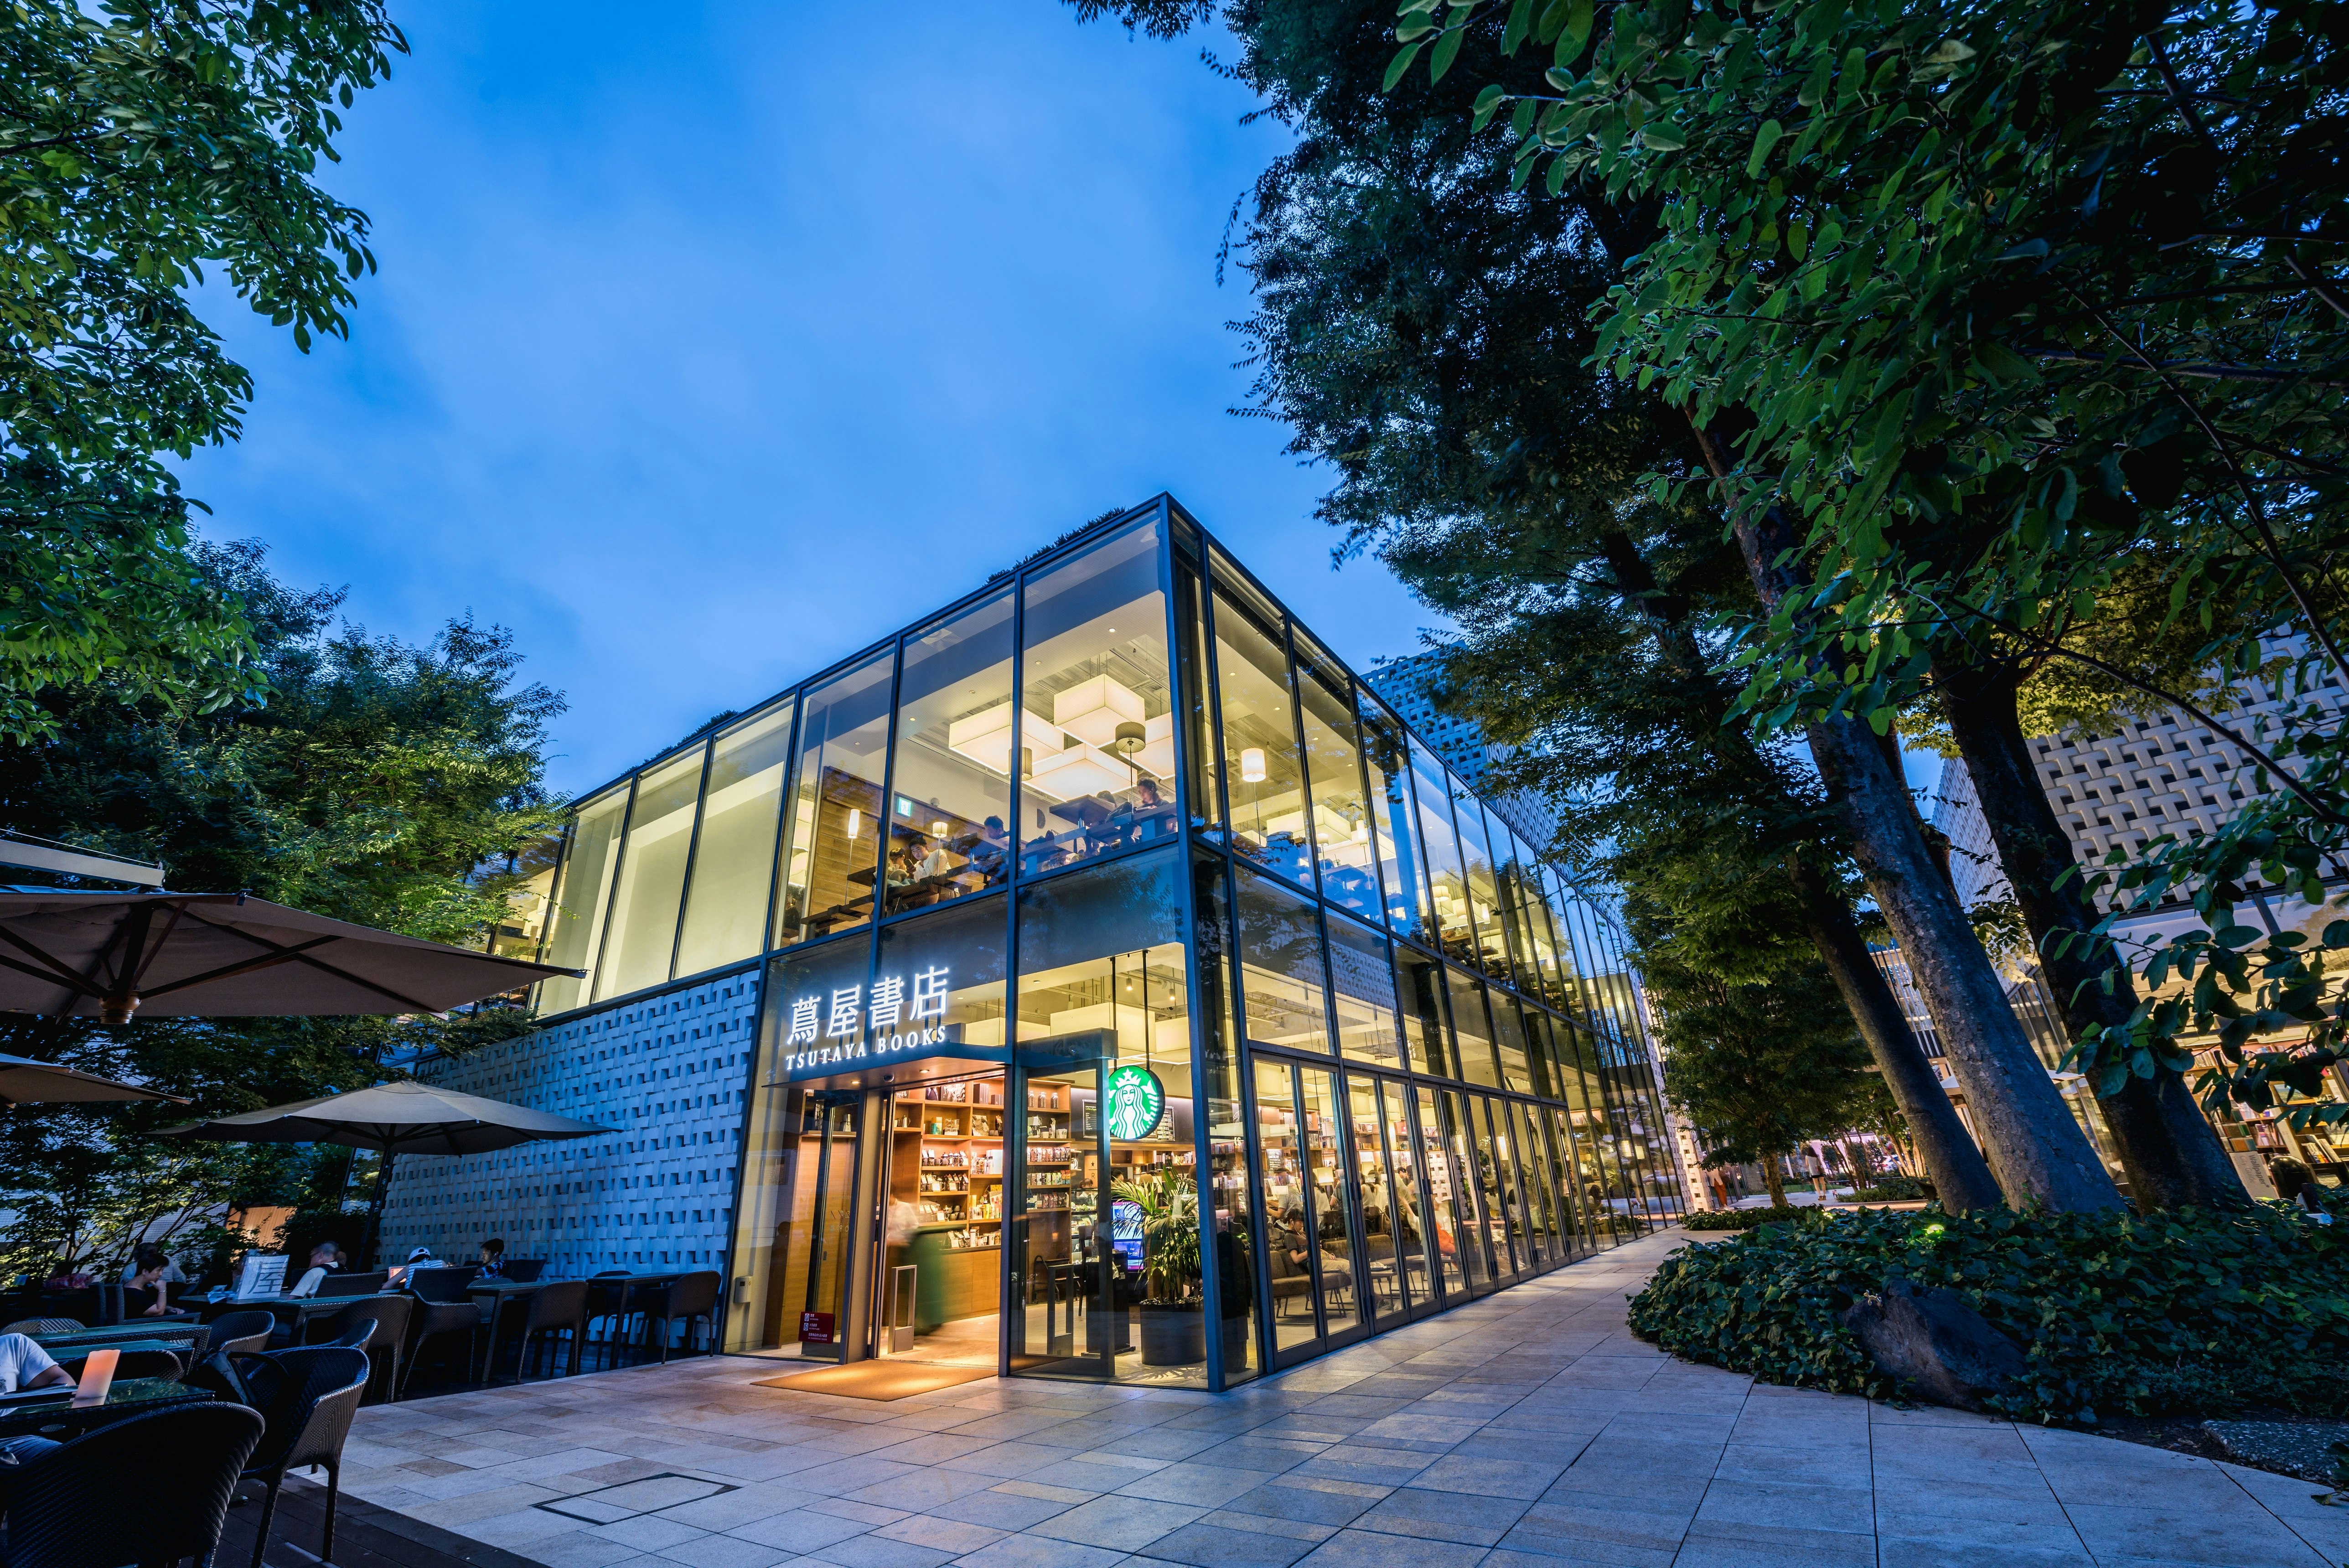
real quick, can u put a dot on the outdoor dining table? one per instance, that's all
(628, 1285)
(293, 1312)
(182, 1335)
(501, 1292)
(60, 1419)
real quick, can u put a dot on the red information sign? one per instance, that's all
(815, 1328)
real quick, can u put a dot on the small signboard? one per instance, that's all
(815, 1328)
(264, 1274)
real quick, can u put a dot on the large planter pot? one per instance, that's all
(1173, 1335)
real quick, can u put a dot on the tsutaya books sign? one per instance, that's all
(900, 1016)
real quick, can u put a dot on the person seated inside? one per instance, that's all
(323, 1258)
(493, 1258)
(989, 855)
(149, 1267)
(933, 862)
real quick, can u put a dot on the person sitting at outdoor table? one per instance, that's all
(493, 1258)
(171, 1274)
(152, 1266)
(324, 1257)
(421, 1258)
(25, 1365)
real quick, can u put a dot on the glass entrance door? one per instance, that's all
(1068, 1286)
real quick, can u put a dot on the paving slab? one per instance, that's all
(1526, 1429)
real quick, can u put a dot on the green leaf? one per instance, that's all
(1447, 49)
(1763, 140)
(1663, 136)
(1415, 27)
(1521, 17)
(1487, 103)
(1402, 63)
(1579, 15)
(2238, 935)
(1949, 52)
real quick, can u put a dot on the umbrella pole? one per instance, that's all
(375, 1210)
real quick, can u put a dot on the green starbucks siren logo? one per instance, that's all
(1137, 1102)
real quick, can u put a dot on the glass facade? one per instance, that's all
(1117, 836)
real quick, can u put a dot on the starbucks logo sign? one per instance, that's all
(1137, 1103)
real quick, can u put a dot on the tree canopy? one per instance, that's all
(141, 143)
(393, 785)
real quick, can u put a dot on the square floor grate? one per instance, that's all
(611, 1504)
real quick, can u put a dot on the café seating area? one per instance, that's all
(245, 1390)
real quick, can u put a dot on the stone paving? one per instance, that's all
(1526, 1430)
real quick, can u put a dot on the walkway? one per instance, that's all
(1526, 1430)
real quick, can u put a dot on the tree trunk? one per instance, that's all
(2034, 1148)
(2169, 1151)
(1959, 1172)
(1774, 1180)
(1953, 1161)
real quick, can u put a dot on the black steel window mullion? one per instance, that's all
(554, 902)
(1539, 1227)
(1353, 698)
(1312, 1203)
(612, 895)
(1304, 753)
(775, 869)
(1430, 1217)
(1495, 1116)
(692, 849)
(1010, 1293)
(1213, 675)
(1202, 1137)
(1245, 1065)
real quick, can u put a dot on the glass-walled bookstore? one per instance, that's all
(1139, 999)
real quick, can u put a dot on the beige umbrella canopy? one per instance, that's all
(398, 1117)
(219, 955)
(24, 1081)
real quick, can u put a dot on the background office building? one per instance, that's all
(1094, 980)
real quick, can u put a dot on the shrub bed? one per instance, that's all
(2182, 1312)
(1743, 1219)
(1893, 1189)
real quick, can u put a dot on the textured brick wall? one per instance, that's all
(669, 1074)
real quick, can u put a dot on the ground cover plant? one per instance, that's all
(2185, 1311)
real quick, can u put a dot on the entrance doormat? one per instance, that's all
(878, 1380)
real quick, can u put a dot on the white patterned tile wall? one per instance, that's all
(669, 1074)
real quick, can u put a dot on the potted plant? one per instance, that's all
(1173, 1314)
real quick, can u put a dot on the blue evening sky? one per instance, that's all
(712, 343)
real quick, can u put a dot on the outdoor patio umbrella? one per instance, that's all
(401, 1117)
(222, 954)
(24, 1081)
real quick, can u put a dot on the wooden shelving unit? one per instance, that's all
(955, 1149)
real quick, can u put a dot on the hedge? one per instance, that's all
(2179, 1312)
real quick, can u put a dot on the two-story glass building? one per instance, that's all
(1134, 998)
